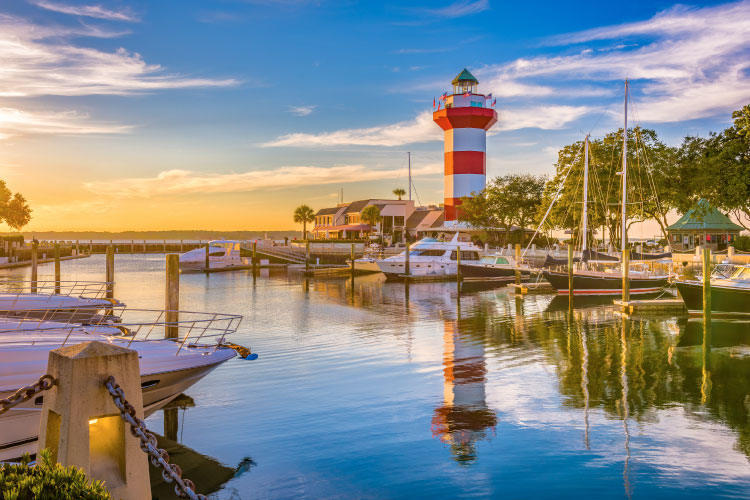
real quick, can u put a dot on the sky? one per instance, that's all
(226, 115)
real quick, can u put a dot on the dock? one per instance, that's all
(329, 270)
(25, 263)
(662, 306)
(541, 287)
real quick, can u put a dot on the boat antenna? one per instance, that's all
(625, 174)
(408, 153)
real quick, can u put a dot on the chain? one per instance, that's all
(23, 394)
(183, 488)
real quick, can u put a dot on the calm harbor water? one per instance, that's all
(364, 391)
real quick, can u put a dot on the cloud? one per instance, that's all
(302, 110)
(18, 122)
(685, 64)
(420, 129)
(461, 8)
(543, 117)
(181, 182)
(96, 11)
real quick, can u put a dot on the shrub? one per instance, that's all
(47, 481)
(742, 243)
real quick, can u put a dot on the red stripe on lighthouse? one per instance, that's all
(465, 162)
(451, 209)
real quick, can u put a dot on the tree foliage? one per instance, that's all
(48, 481)
(370, 216)
(14, 210)
(302, 215)
(399, 192)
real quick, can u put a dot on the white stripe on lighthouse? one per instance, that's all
(460, 185)
(465, 139)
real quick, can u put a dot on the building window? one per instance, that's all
(398, 221)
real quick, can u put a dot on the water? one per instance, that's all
(361, 393)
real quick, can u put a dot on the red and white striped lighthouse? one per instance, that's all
(465, 120)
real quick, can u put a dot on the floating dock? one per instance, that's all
(541, 287)
(676, 306)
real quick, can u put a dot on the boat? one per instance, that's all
(493, 267)
(609, 281)
(221, 254)
(431, 257)
(729, 295)
(168, 367)
(365, 265)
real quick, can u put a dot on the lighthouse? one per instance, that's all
(466, 118)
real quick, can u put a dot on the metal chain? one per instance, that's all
(23, 394)
(183, 488)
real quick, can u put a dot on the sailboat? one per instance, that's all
(590, 282)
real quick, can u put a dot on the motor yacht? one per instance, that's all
(430, 256)
(221, 254)
(729, 295)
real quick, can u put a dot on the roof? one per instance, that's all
(416, 217)
(328, 211)
(356, 206)
(704, 217)
(344, 227)
(439, 221)
(464, 76)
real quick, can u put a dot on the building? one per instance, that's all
(344, 221)
(703, 226)
(465, 119)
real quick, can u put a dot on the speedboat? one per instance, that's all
(221, 254)
(365, 265)
(493, 267)
(430, 256)
(729, 295)
(168, 367)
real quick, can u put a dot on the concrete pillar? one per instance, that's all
(110, 271)
(34, 265)
(57, 268)
(81, 425)
(172, 296)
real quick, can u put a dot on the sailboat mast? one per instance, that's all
(409, 154)
(585, 193)
(624, 237)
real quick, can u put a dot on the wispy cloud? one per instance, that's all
(18, 122)
(542, 117)
(420, 129)
(96, 11)
(461, 8)
(181, 182)
(302, 110)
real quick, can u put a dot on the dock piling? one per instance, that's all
(255, 255)
(110, 271)
(307, 255)
(570, 274)
(626, 275)
(518, 263)
(458, 266)
(407, 269)
(207, 267)
(352, 258)
(132, 246)
(172, 296)
(57, 268)
(707, 290)
(34, 264)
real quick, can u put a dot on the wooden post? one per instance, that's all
(82, 427)
(255, 255)
(352, 258)
(144, 247)
(570, 273)
(110, 271)
(458, 265)
(132, 246)
(518, 263)
(57, 268)
(626, 275)
(91, 247)
(34, 265)
(307, 255)
(208, 261)
(78, 248)
(164, 247)
(172, 296)
(181, 250)
(707, 290)
(407, 269)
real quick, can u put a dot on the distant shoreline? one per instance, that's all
(202, 235)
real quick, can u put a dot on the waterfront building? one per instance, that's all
(703, 226)
(465, 119)
(344, 221)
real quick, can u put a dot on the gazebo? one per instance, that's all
(703, 226)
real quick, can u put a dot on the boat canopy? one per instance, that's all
(650, 256)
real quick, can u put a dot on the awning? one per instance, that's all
(346, 227)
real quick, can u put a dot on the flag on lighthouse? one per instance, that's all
(433, 102)
(489, 96)
(494, 102)
(444, 96)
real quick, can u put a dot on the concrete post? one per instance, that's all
(518, 263)
(110, 271)
(34, 265)
(81, 425)
(626, 275)
(172, 294)
(57, 268)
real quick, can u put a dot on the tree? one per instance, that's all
(370, 216)
(399, 192)
(302, 215)
(14, 210)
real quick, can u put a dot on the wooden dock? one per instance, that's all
(541, 287)
(331, 270)
(25, 263)
(663, 306)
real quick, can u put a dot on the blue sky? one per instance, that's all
(161, 115)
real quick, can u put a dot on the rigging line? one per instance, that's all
(616, 98)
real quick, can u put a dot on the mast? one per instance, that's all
(624, 230)
(409, 155)
(585, 193)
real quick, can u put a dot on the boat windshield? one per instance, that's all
(487, 260)
(742, 273)
(427, 253)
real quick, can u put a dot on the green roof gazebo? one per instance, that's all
(704, 226)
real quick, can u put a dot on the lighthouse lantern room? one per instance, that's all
(465, 119)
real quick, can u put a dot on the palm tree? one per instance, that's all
(370, 216)
(399, 192)
(302, 215)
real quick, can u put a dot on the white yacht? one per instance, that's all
(221, 254)
(430, 256)
(168, 367)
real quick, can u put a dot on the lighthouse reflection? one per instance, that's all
(464, 418)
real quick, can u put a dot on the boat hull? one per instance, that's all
(724, 299)
(488, 271)
(395, 269)
(584, 284)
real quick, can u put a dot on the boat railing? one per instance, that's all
(187, 328)
(77, 288)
